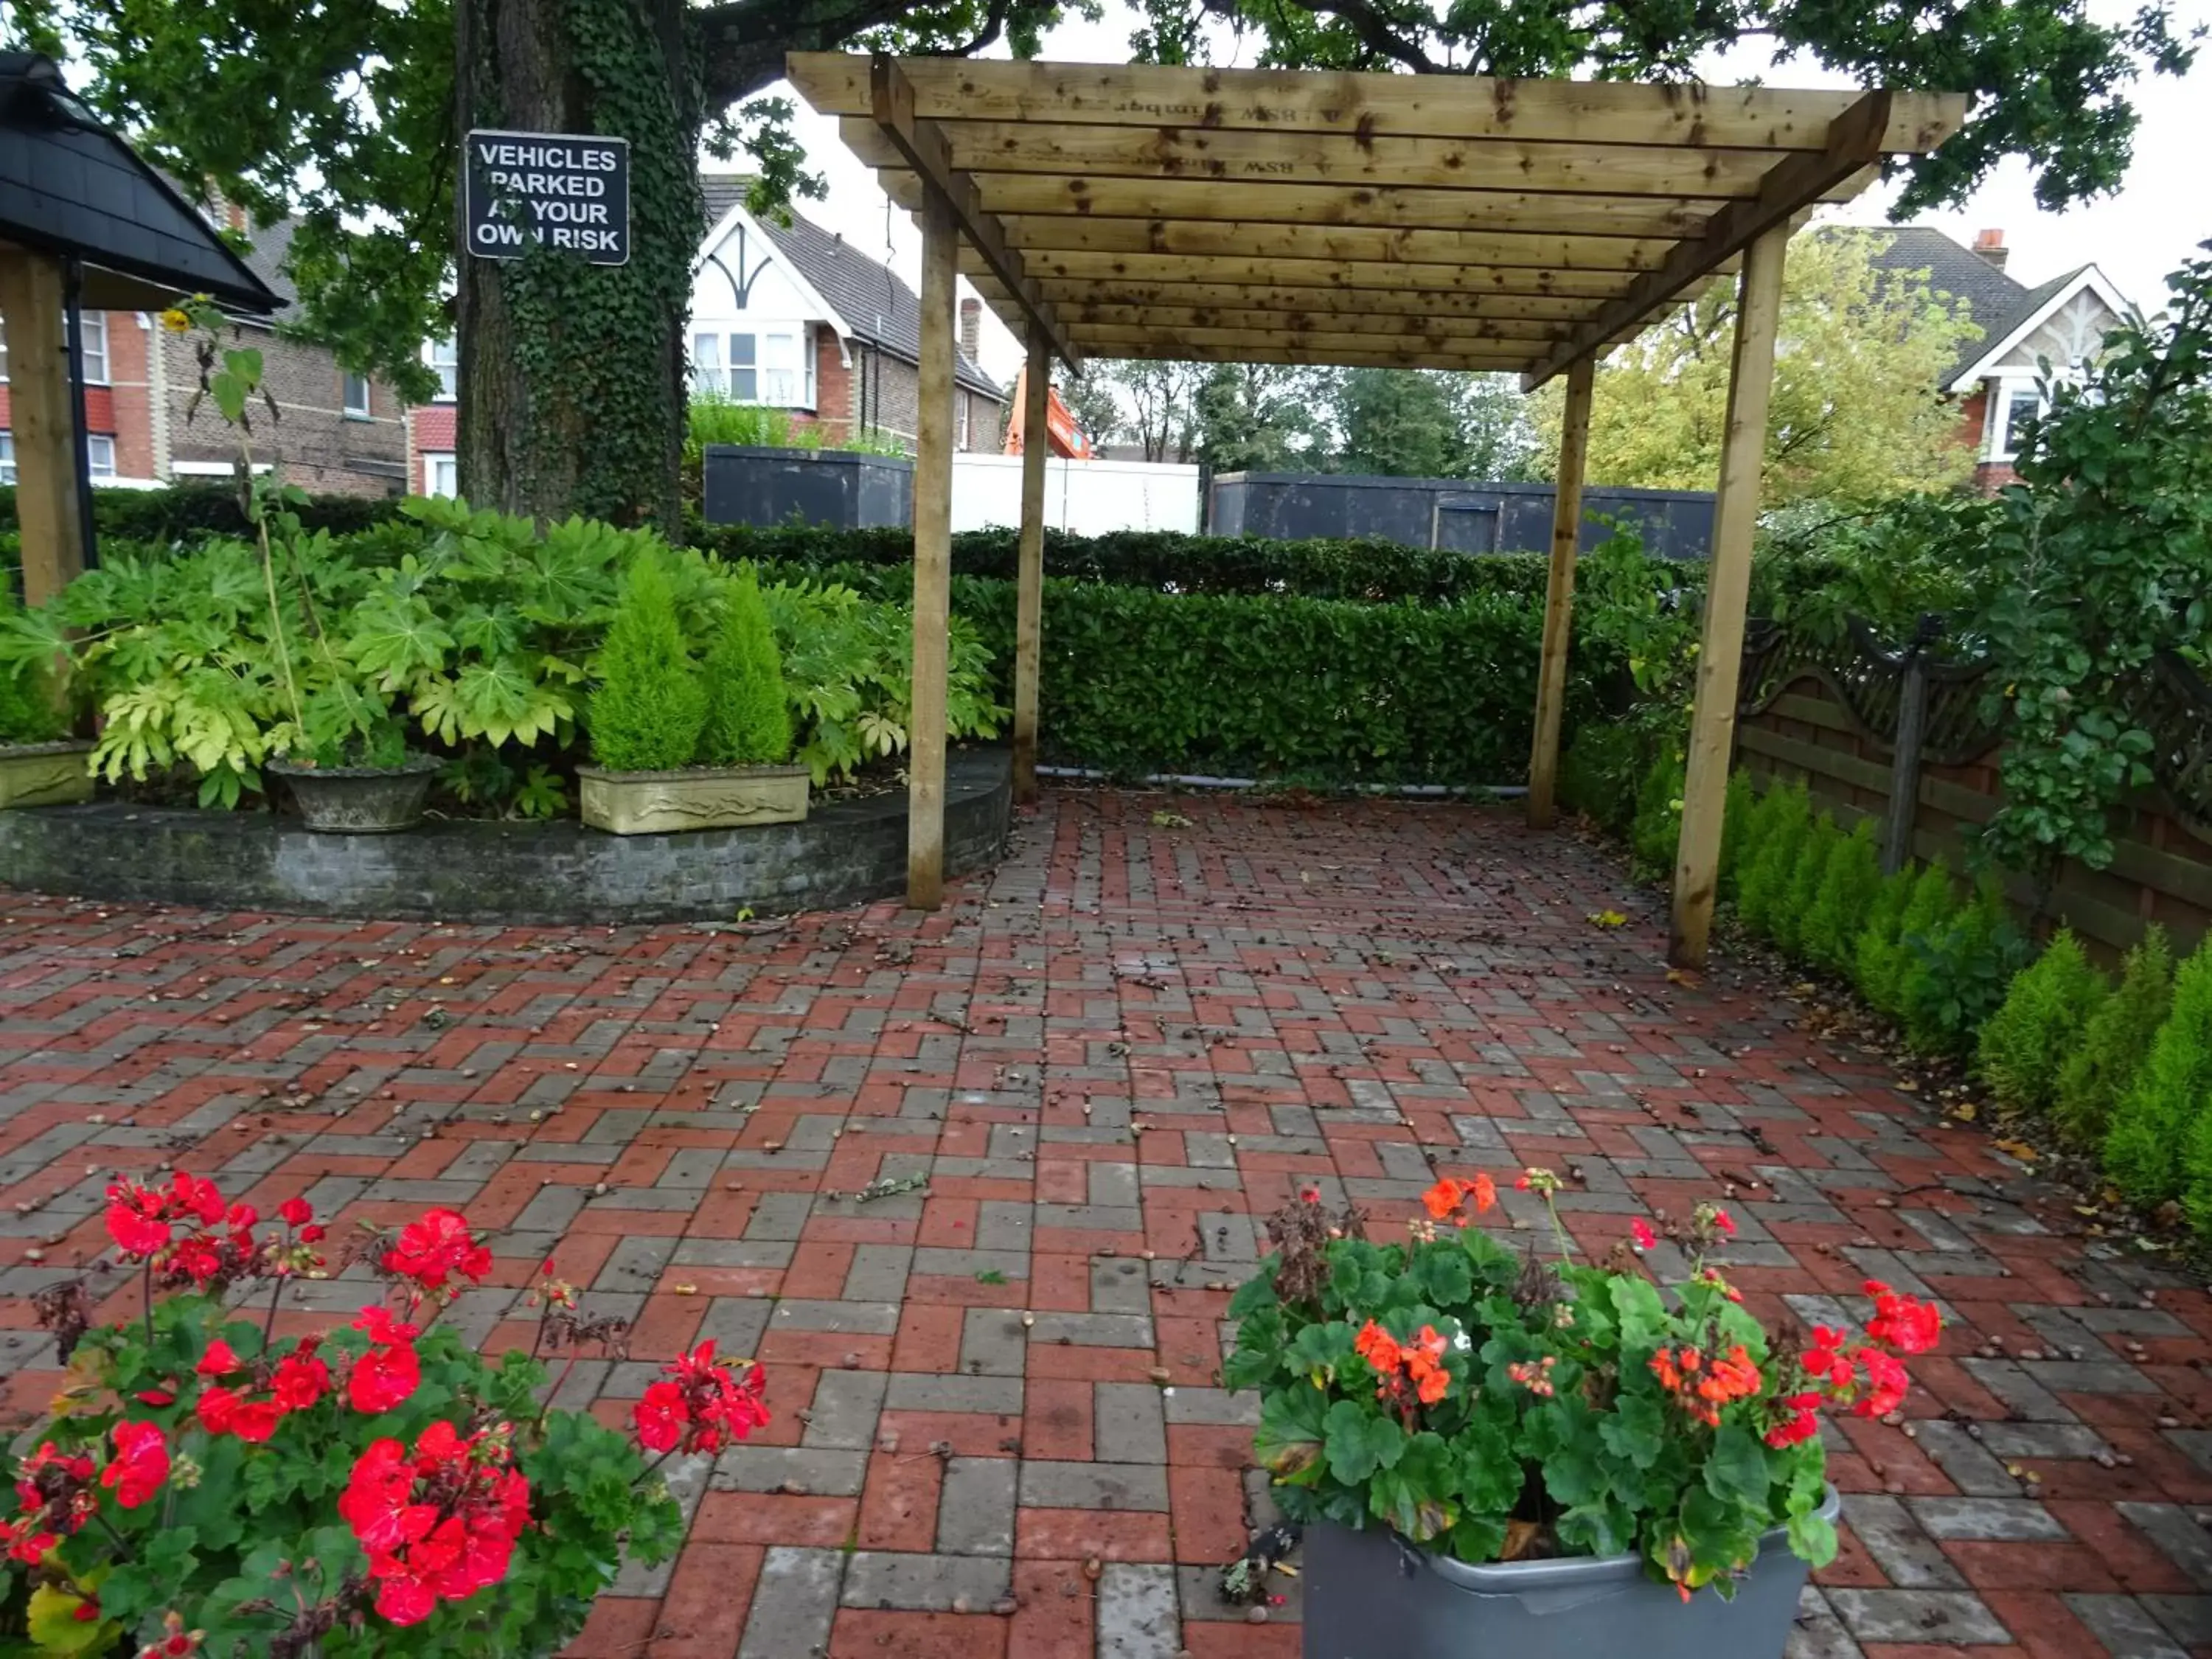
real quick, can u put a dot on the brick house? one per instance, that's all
(336, 433)
(2061, 321)
(791, 317)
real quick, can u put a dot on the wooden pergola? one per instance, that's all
(1406, 222)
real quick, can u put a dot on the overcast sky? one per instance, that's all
(2134, 237)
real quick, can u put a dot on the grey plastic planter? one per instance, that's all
(361, 800)
(1370, 1596)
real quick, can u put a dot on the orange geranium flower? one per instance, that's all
(1448, 1195)
(1377, 1348)
(1425, 1364)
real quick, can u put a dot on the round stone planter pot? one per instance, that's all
(1370, 1596)
(44, 774)
(360, 800)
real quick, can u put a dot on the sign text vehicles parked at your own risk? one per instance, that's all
(565, 191)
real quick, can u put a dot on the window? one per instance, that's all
(2021, 407)
(95, 349)
(960, 420)
(356, 396)
(773, 367)
(445, 357)
(7, 458)
(95, 346)
(100, 456)
(441, 475)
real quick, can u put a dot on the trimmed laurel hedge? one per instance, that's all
(162, 516)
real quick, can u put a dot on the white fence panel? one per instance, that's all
(1086, 498)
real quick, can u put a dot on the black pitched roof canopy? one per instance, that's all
(69, 187)
(868, 294)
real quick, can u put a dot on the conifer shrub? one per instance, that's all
(647, 713)
(1736, 828)
(2103, 1065)
(1600, 773)
(2157, 1144)
(2047, 1010)
(1784, 818)
(1955, 973)
(1843, 903)
(1658, 830)
(1787, 922)
(748, 711)
(1882, 954)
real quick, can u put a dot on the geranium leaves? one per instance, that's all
(1358, 1442)
(1737, 1468)
(1288, 1441)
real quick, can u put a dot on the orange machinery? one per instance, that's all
(1065, 439)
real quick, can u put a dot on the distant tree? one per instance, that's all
(1161, 405)
(1096, 406)
(1258, 417)
(1415, 423)
(1857, 411)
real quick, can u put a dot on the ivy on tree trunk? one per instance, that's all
(572, 375)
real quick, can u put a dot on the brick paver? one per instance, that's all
(998, 1430)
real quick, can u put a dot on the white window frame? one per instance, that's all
(440, 472)
(100, 456)
(444, 359)
(754, 363)
(364, 410)
(93, 330)
(1997, 426)
(7, 458)
(960, 401)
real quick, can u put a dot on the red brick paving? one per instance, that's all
(1106, 1060)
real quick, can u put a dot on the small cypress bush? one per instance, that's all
(2158, 1143)
(1600, 771)
(1787, 813)
(2102, 1068)
(1884, 953)
(748, 714)
(1658, 826)
(650, 707)
(1956, 973)
(2046, 1010)
(1844, 901)
(1736, 828)
(1786, 923)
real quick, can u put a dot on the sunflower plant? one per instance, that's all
(1491, 1404)
(215, 1478)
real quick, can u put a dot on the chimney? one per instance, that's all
(1989, 243)
(971, 326)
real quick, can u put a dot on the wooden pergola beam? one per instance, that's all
(1395, 106)
(1321, 302)
(1406, 325)
(1348, 275)
(1383, 357)
(1856, 139)
(1107, 339)
(1041, 233)
(923, 147)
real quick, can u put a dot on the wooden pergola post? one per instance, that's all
(41, 420)
(1728, 595)
(932, 557)
(1029, 598)
(1559, 592)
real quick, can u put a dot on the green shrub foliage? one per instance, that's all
(2157, 1142)
(1843, 900)
(1785, 818)
(1658, 825)
(1786, 922)
(1601, 772)
(650, 707)
(1956, 973)
(1884, 953)
(1736, 815)
(2021, 1049)
(2103, 1065)
(748, 714)
(30, 710)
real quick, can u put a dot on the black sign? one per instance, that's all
(565, 190)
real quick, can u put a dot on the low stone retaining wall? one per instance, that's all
(846, 853)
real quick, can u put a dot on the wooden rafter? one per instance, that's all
(923, 147)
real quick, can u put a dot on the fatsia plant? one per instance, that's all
(1487, 1404)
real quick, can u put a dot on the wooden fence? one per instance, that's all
(1833, 716)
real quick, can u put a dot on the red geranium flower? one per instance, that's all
(439, 1523)
(660, 1416)
(1641, 1236)
(701, 1403)
(296, 1211)
(1887, 1383)
(434, 1250)
(1801, 1423)
(388, 1372)
(219, 1360)
(1903, 1322)
(302, 1379)
(140, 1465)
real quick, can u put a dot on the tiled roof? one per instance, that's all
(867, 294)
(1995, 302)
(70, 185)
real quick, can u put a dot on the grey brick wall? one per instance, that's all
(320, 445)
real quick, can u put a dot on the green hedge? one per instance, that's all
(162, 516)
(1371, 571)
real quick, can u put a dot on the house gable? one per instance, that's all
(2063, 322)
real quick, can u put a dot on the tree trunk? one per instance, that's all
(572, 390)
